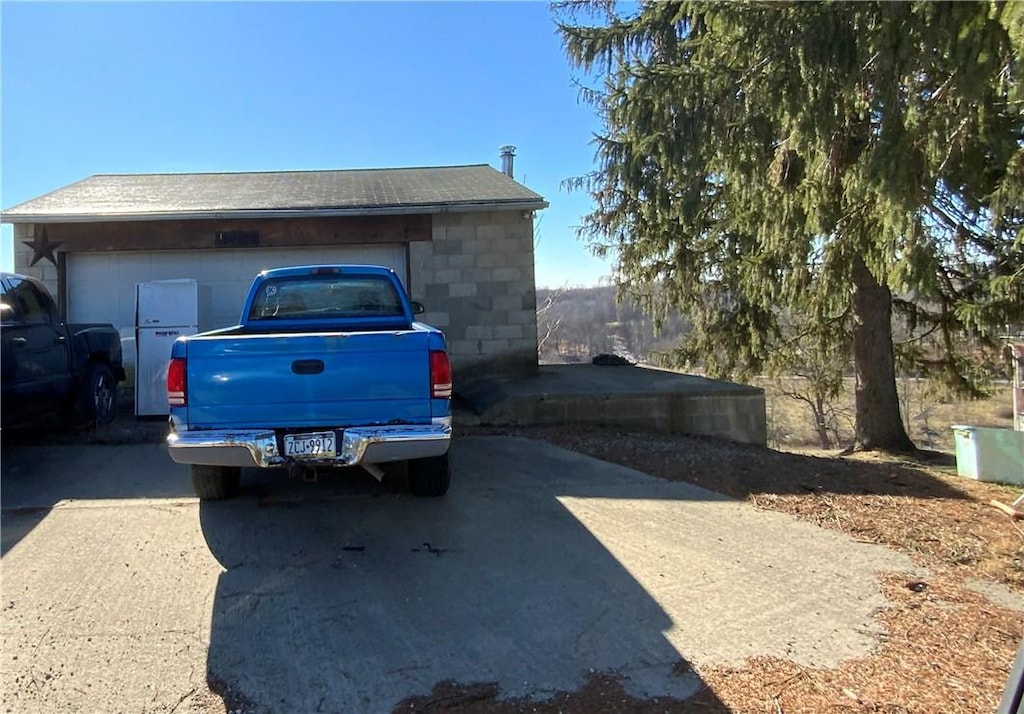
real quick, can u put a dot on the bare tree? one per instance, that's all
(548, 323)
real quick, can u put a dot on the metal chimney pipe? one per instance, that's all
(508, 155)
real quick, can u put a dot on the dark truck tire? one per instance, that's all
(212, 483)
(430, 477)
(96, 402)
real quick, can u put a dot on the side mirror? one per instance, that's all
(6, 312)
(417, 308)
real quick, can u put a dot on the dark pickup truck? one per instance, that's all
(51, 371)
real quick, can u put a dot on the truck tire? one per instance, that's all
(96, 403)
(215, 482)
(430, 477)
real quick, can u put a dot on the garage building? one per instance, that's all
(460, 237)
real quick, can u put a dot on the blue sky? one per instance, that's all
(142, 87)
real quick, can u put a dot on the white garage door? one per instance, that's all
(101, 286)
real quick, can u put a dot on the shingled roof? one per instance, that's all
(279, 194)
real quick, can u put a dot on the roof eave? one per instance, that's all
(401, 210)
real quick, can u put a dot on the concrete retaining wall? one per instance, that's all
(737, 417)
(624, 398)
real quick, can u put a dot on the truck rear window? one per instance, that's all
(325, 296)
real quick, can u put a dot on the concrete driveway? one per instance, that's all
(121, 592)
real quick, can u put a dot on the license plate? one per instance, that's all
(310, 446)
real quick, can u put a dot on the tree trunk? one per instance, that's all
(878, 421)
(819, 408)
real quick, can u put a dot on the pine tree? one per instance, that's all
(824, 167)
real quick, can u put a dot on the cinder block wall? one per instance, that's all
(737, 415)
(476, 279)
(43, 270)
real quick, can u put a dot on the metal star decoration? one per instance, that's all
(42, 248)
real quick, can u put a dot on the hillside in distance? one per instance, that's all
(576, 324)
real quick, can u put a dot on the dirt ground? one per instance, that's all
(947, 648)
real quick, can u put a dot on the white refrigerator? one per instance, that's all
(164, 311)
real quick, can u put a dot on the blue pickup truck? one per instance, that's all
(327, 368)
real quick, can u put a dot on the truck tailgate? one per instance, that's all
(303, 380)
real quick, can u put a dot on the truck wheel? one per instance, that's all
(97, 399)
(430, 477)
(215, 482)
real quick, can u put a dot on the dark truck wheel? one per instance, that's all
(215, 482)
(96, 404)
(430, 477)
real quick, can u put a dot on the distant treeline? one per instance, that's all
(576, 324)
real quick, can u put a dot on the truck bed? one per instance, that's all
(237, 379)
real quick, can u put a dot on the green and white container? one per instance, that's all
(989, 454)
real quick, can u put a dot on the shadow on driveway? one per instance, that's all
(336, 597)
(35, 478)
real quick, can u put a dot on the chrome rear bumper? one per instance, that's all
(357, 445)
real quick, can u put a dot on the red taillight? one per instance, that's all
(176, 382)
(440, 375)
